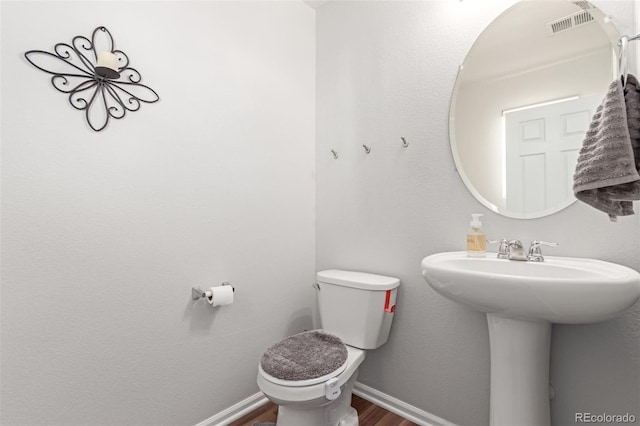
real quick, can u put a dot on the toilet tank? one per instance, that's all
(358, 307)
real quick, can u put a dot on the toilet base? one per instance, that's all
(322, 412)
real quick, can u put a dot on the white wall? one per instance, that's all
(104, 234)
(386, 70)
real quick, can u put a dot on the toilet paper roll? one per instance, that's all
(221, 295)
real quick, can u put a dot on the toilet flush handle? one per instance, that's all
(387, 301)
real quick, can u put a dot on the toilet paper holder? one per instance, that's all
(198, 293)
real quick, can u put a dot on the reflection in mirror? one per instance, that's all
(523, 100)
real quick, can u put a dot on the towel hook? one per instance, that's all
(622, 60)
(404, 142)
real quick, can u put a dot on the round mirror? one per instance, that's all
(523, 100)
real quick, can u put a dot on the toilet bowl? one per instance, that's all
(356, 310)
(304, 402)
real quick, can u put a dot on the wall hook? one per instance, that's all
(404, 142)
(335, 154)
(366, 148)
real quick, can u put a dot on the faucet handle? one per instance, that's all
(535, 253)
(503, 248)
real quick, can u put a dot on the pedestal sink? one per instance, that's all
(521, 300)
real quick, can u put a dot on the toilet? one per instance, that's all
(310, 375)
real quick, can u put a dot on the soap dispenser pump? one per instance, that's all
(476, 240)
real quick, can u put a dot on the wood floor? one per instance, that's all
(368, 415)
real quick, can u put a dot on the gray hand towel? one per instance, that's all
(606, 175)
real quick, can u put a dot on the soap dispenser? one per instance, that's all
(476, 241)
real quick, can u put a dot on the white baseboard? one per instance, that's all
(398, 407)
(236, 411)
(383, 400)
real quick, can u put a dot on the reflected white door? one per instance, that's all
(542, 146)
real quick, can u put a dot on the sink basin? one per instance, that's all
(521, 300)
(560, 290)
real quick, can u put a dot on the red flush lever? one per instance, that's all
(387, 300)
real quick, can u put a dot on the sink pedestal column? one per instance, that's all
(519, 371)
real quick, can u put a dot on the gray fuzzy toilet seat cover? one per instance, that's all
(304, 356)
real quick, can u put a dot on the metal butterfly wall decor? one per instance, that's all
(96, 77)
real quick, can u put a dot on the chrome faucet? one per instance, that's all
(535, 253)
(513, 250)
(516, 251)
